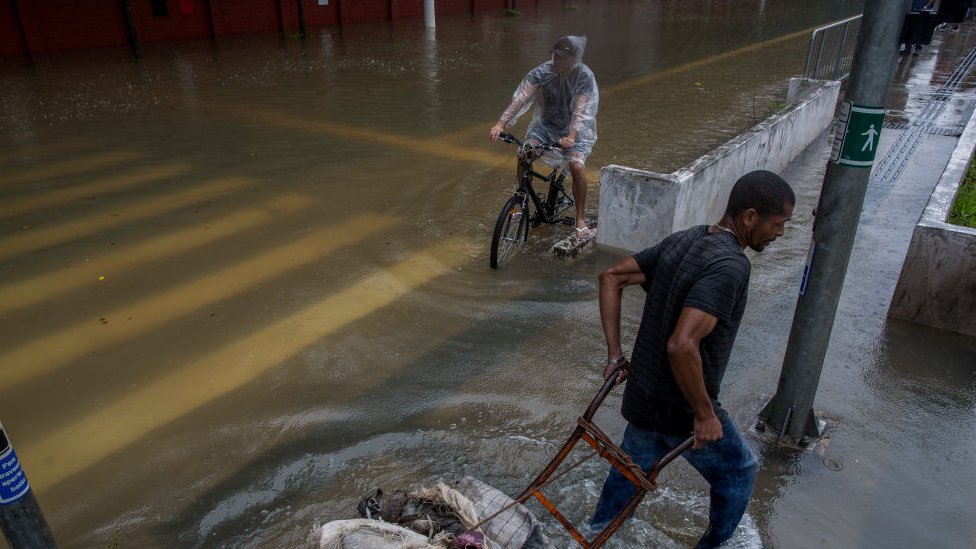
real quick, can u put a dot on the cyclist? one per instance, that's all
(566, 98)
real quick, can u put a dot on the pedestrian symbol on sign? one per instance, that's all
(869, 142)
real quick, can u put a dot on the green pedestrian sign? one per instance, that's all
(857, 132)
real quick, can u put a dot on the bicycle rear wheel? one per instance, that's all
(510, 230)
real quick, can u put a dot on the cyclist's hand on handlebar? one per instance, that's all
(566, 142)
(495, 131)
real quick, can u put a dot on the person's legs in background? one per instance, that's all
(578, 172)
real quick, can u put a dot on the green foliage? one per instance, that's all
(572, 7)
(512, 13)
(964, 206)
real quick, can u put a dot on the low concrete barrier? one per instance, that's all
(937, 285)
(639, 208)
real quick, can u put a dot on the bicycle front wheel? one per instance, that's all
(510, 230)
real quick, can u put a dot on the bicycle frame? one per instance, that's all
(513, 222)
(526, 188)
(545, 210)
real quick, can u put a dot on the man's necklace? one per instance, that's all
(726, 229)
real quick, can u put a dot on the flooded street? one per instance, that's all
(243, 283)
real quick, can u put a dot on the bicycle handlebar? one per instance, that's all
(509, 138)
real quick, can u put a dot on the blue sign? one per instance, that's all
(808, 267)
(13, 483)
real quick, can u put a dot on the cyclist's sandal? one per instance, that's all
(585, 233)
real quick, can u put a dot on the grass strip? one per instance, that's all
(964, 206)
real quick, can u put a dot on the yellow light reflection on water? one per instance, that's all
(38, 238)
(45, 287)
(83, 443)
(53, 351)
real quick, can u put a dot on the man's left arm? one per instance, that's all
(684, 356)
(580, 110)
(714, 296)
(584, 99)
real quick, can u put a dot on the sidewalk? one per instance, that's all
(894, 468)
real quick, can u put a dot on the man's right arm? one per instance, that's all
(522, 98)
(612, 283)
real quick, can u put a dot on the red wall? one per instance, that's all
(453, 6)
(69, 24)
(488, 5)
(72, 24)
(10, 39)
(411, 8)
(316, 15)
(364, 10)
(174, 26)
(237, 16)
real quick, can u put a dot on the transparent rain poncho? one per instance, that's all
(563, 102)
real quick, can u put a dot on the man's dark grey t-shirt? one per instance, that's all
(690, 268)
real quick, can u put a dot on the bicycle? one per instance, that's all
(512, 227)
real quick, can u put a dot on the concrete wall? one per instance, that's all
(638, 208)
(937, 285)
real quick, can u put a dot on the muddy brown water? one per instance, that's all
(245, 282)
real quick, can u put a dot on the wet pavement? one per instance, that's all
(244, 283)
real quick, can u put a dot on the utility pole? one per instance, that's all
(301, 20)
(429, 14)
(21, 520)
(790, 412)
(130, 27)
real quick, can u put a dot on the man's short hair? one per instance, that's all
(761, 190)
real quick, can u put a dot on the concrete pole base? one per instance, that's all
(801, 436)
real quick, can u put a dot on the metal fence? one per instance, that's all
(831, 50)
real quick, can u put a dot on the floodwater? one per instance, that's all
(245, 282)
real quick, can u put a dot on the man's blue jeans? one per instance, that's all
(729, 466)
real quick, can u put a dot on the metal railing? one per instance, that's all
(831, 50)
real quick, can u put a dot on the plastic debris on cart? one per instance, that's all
(437, 518)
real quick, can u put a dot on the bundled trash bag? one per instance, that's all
(426, 512)
(515, 528)
(371, 534)
(424, 519)
(441, 518)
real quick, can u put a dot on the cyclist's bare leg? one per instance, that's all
(579, 192)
